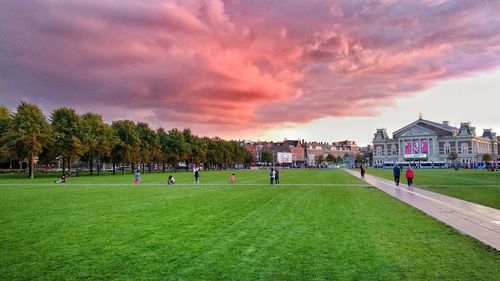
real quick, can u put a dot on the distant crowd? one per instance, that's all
(274, 176)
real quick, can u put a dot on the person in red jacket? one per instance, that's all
(409, 176)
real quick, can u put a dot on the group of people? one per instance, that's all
(137, 178)
(274, 176)
(171, 179)
(409, 175)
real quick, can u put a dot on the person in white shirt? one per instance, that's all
(170, 180)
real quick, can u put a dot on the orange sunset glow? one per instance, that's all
(256, 69)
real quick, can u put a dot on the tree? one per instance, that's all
(199, 149)
(6, 152)
(127, 143)
(360, 158)
(188, 142)
(339, 159)
(247, 158)
(227, 152)
(5, 118)
(149, 144)
(27, 132)
(487, 157)
(320, 159)
(68, 133)
(239, 155)
(215, 153)
(267, 157)
(176, 146)
(162, 141)
(99, 138)
(330, 158)
(452, 156)
(238, 152)
(196, 147)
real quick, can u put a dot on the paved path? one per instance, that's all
(478, 221)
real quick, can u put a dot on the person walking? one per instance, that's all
(276, 176)
(363, 171)
(232, 178)
(272, 174)
(397, 173)
(196, 176)
(409, 176)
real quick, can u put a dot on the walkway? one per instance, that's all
(480, 222)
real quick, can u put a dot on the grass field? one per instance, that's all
(478, 186)
(328, 226)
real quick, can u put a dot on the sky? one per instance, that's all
(320, 70)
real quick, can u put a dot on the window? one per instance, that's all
(378, 151)
(394, 151)
(447, 150)
(464, 148)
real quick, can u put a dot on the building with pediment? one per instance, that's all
(425, 142)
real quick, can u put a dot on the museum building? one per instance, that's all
(427, 143)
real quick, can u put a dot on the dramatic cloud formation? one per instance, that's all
(222, 67)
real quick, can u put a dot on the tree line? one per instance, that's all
(27, 134)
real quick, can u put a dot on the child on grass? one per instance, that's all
(62, 179)
(137, 178)
(170, 180)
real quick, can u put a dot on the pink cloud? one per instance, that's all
(230, 67)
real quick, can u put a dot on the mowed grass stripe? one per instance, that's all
(207, 177)
(254, 233)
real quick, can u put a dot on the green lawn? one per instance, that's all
(313, 177)
(478, 186)
(331, 228)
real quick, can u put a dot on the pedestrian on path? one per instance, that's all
(397, 173)
(409, 176)
(363, 171)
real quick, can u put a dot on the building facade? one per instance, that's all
(299, 153)
(252, 149)
(424, 142)
(340, 148)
